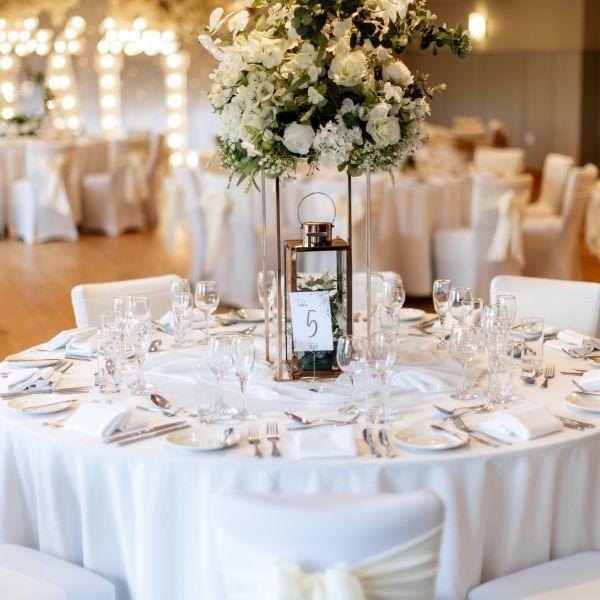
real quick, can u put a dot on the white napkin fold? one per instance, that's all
(70, 336)
(572, 337)
(32, 379)
(590, 381)
(99, 420)
(168, 319)
(324, 442)
(524, 422)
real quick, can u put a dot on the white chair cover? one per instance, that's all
(156, 171)
(592, 222)
(41, 204)
(554, 179)
(502, 162)
(27, 574)
(551, 243)
(175, 202)
(318, 547)
(548, 299)
(91, 300)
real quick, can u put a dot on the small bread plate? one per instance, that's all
(42, 408)
(584, 402)
(195, 440)
(425, 438)
(410, 314)
(32, 359)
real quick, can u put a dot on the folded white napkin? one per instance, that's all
(590, 381)
(524, 422)
(32, 379)
(99, 420)
(572, 337)
(168, 319)
(69, 336)
(324, 442)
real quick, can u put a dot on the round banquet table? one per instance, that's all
(140, 515)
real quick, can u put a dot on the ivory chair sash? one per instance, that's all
(472, 256)
(548, 299)
(502, 162)
(551, 243)
(304, 547)
(554, 179)
(91, 300)
(592, 222)
(41, 203)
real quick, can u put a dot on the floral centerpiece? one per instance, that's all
(321, 82)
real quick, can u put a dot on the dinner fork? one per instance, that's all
(273, 437)
(548, 374)
(484, 438)
(254, 439)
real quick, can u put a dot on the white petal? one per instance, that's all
(215, 18)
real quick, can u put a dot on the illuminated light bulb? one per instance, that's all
(73, 122)
(78, 23)
(3, 23)
(116, 47)
(132, 48)
(175, 140)
(53, 82)
(108, 23)
(20, 49)
(174, 80)
(70, 33)
(139, 23)
(109, 122)
(176, 159)
(168, 35)
(112, 35)
(6, 62)
(60, 46)
(8, 112)
(174, 121)
(24, 36)
(174, 61)
(43, 35)
(134, 35)
(2, 36)
(169, 48)
(107, 61)
(65, 82)
(108, 81)
(7, 88)
(42, 49)
(58, 62)
(68, 102)
(108, 101)
(123, 35)
(152, 49)
(102, 47)
(13, 36)
(31, 45)
(192, 160)
(31, 23)
(73, 46)
(5, 48)
(174, 100)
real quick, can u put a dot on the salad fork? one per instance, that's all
(478, 435)
(548, 374)
(254, 439)
(273, 437)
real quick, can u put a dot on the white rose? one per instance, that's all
(398, 73)
(349, 69)
(384, 131)
(298, 138)
(272, 57)
(230, 70)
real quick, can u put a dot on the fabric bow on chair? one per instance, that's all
(508, 240)
(215, 207)
(53, 193)
(135, 185)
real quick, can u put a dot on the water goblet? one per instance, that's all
(384, 359)
(393, 297)
(351, 357)
(511, 306)
(463, 347)
(220, 361)
(180, 286)
(243, 362)
(180, 303)
(139, 334)
(207, 301)
(461, 303)
(441, 304)
(109, 355)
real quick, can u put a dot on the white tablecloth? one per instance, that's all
(141, 515)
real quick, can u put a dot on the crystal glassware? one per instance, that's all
(463, 347)
(139, 334)
(180, 304)
(220, 361)
(243, 362)
(384, 359)
(110, 355)
(266, 284)
(441, 304)
(207, 301)
(351, 357)
(461, 303)
(510, 302)
(393, 297)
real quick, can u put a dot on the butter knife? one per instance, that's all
(118, 437)
(153, 434)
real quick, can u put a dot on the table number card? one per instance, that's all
(312, 329)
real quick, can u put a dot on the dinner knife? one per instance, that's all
(118, 437)
(154, 434)
(44, 405)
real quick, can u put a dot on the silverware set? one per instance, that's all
(272, 435)
(484, 438)
(384, 441)
(306, 422)
(70, 390)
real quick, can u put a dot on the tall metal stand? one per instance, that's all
(279, 374)
(369, 311)
(263, 190)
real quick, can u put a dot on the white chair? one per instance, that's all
(551, 242)
(575, 577)
(571, 305)
(91, 300)
(113, 202)
(554, 179)
(27, 574)
(156, 170)
(472, 256)
(592, 222)
(42, 203)
(375, 547)
(502, 162)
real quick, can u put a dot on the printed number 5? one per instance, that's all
(310, 322)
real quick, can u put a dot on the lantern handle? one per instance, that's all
(315, 194)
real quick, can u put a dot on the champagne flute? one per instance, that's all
(393, 297)
(243, 362)
(220, 361)
(441, 303)
(384, 359)
(351, 356)
(139, 333)
(266, 284)
(207, 301)
(180, 303)
(463, 346)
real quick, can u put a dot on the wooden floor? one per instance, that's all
(35, 281)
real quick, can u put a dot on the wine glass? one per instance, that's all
(207, 301)
(461, 303)
(267, 284)
(243, 362)
(351, 356)
(180, 303)
(384, 359)
(463, 347)
(139, 334)
(220, 361)
(441, 304)
(138, 306)
(393, 295)
(511, 306)
(180, 286)
(510, 302)
(377, 295)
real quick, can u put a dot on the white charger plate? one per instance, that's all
(21, 404)
(426, 438)
(410, 314)
(195, 440)
(588, 403)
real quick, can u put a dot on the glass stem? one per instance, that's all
(207, 329)
(243, 385)
(443, 325)
(220, 393)
(463, 380)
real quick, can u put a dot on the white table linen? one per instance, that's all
(140, 516)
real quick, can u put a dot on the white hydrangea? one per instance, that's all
(334, 142)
